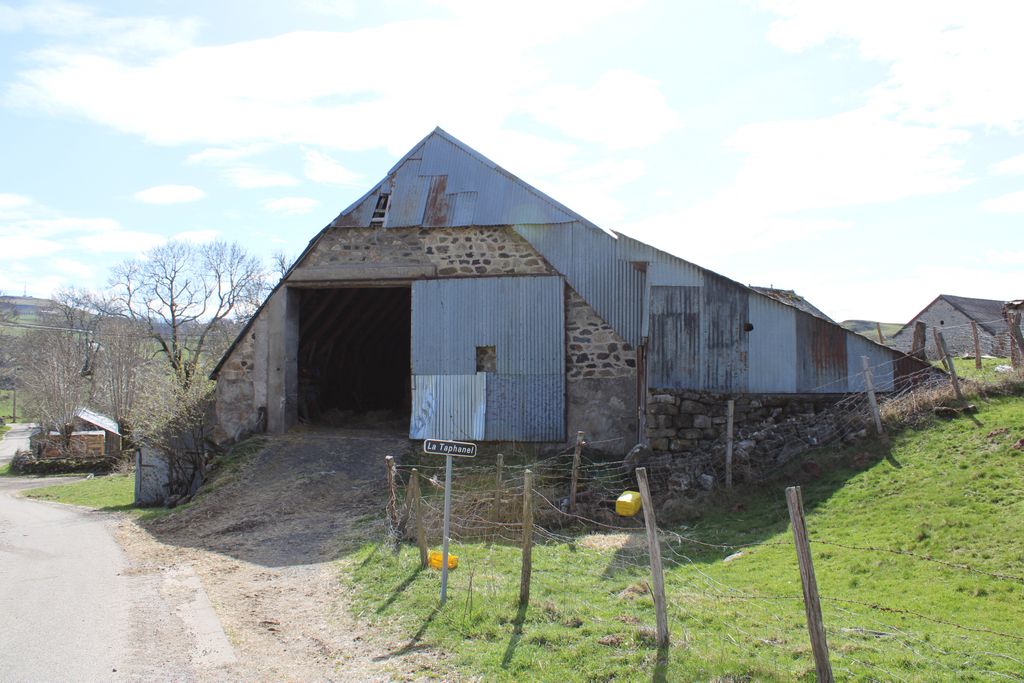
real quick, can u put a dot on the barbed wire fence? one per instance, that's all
(592, 570)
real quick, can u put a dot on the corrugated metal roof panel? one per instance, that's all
(821, 355)
(522, 317)
(879, 358)
(613, 286)
(448, 407)
(409, 191)
(675, 350)
(525, 407)
(724, 311)
(772, 366)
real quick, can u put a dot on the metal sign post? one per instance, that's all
(449, 449)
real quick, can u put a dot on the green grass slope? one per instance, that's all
(918, 547)
(868, 328)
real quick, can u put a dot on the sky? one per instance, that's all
(869, 155)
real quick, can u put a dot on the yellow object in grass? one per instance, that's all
(628, 504)
(434, 560)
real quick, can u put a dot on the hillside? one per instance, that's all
(869, 330)
(918, 548)
(27, 309)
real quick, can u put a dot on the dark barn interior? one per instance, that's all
(354, 351)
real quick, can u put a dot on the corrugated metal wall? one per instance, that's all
(772, 362)
(523, 318)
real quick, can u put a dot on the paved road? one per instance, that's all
(70, 612)
(15, 440)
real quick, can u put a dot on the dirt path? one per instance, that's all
(266, 547)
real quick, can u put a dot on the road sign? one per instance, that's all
(460, 449)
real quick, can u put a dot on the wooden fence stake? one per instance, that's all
(730, 419)
(940, 341)
(812, 604)
(917, 348)
(496, 510)
(575, 472)
(524, 577)
(654, 546)
(869, 384)
(392, 508)
(881, 337)
(938, 349)
(1016, 339)
(421, 537)
(977, 346)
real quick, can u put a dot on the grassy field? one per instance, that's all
(966, 368)
(868, 328)
(110, 493)
(952, 492)
(5, 404)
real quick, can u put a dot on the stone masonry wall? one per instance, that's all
(680, 421)
(686, 432)
(457, 252)
(594, 348)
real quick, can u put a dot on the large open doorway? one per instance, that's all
(354, 353)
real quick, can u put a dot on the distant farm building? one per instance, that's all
(93, 436)
(953, 315)
(476, 307)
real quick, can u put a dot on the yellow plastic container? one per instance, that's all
(628, 504)
(434, 560)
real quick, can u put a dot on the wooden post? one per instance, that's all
(730, 418)
(941, 343)
(654, 547)
(1016, 339)
(917, 346)
(392, 508)
(938, 349)
(977, 346)
(421, 536)
(812, 604)
(869, 384)
(881, 337)
(524, 577)
(496, 510)
(575, 472)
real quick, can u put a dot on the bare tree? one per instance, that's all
(52, 374)
(186, 295)
(282, 262)
(123, 357)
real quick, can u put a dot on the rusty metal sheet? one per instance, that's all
(821, 355)
(436, 212)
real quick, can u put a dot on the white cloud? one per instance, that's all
(1007, 203)
(264, 91)
(594, 187)
(223, 155)
(1010, 166)
(198, 236)
(250, 176)
(321, 168)
(622, 110)
(1007, 258)
(65, 20)
(9, 201)
(121, 242)
(291, 205)
(853, 158)
(75, 268)
(170, 194)
(950, 63)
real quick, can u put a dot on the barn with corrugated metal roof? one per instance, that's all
(458, 297)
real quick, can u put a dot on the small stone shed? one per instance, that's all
(475, 307)
(953, 315)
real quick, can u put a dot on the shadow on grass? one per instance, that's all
(517, 635)
(400, 589)
(413, 643)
